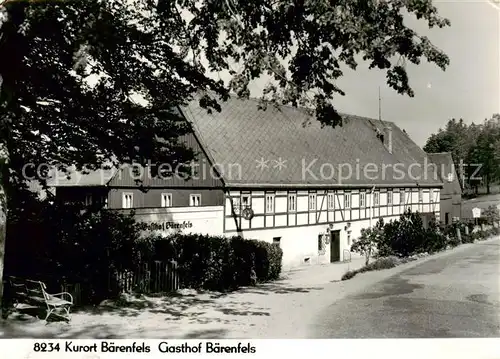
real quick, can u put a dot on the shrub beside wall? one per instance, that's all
(64, 243)
(219, 263)
(405, 239)
(408, 236)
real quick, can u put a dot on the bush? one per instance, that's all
(63, 243)
(379, 264)
(480, 235)
(349, 274)
(57, 244)
(268, 259)
(407, 236)
(470, 238)
(222, 263)
(450, 232)
(434, 239)
(367, 242)
(404, 237)
(453, 241)
(491, 215)
(493, 231)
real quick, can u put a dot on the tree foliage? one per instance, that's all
(476, 147)
(492, 215)
(369, 240)
(69, 70)
(164, 51)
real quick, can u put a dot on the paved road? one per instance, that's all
(456, 295)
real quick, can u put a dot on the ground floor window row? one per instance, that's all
(325, 240)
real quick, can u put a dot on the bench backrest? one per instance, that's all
(27, 287)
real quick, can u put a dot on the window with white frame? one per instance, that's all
(402, 193)
(362, 199)
(269, 202)
(195, 200)
(389, 198)
(420, 195)
(321, 243)
(431, 195)
(347, 200)
(101, 200)
(127, 200)
(376, 198)
(331, 200)
(312, 201)
(292, 202)
(166, 199)
(246, 201)
(88, 199)
(105, 201)
(236, 203)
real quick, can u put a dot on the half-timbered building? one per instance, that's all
(276, 175)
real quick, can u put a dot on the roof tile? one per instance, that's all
(241, 134)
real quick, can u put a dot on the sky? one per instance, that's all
(468, 89)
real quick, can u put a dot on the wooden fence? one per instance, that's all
(153, 277)
(148, 278)
(75, 290)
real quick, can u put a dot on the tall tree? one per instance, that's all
(453, 138)
(163, 51)
(485, 151)
(438, 142)
(475, 146)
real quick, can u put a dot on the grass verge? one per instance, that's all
(378, 264)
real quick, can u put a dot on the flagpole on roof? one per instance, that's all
(379, 105)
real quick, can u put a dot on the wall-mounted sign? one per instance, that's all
(476, 212)
(163, 226)
(247, 213)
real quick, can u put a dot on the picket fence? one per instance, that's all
(148, 278)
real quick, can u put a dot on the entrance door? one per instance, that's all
(334, 246)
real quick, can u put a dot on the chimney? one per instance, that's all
(388, 139)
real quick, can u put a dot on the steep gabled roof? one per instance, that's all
(285, 147)
(445, 167)
(242, 135)
(93, 178)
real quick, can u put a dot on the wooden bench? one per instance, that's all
(34, 293)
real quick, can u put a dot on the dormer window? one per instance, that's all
(450, 177)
